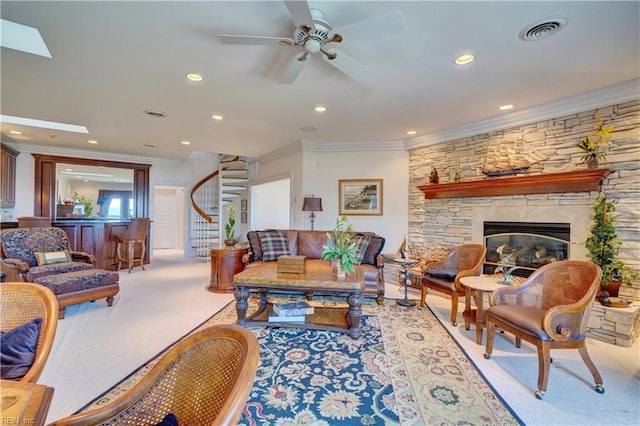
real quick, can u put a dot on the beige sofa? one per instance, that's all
(309, 244)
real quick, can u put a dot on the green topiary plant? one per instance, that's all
(339, 245)
(603, 244)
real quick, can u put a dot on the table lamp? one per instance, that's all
(312, 204)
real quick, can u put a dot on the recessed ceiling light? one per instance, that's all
(411, 132)
(185, 143)
(464, 59)
(320, 108)
(194, 76)
(92, 141)
(15, 132)
(217, 117)
(505, 107)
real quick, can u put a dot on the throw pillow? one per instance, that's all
(376, 244)
(442, 272)
(274, 244)
(169, 420)
(52, 257)
(18, 349)
(254, 245)
(361, 242)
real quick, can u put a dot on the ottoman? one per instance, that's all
(76, 287)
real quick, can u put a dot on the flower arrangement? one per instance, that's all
(339, 246)
(86, 202)
(593, 144)
(230, 226)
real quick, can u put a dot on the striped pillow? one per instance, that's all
(361, 242)
(274, 244)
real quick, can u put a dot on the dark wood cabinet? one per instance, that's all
(8, 176)
(225, 263)
(97, 238)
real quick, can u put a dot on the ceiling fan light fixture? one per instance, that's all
(464, 59)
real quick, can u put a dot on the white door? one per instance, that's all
(168, 223)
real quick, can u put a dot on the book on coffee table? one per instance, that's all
(273, 317)
(292, 309)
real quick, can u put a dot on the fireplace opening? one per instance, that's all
(524, 245)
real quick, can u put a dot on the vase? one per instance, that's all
(337, 269)
(230, 242)
(593, 163)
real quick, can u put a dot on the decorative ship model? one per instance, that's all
(509, 159)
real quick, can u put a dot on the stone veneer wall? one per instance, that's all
(449, 221)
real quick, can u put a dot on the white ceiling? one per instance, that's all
(111, 61)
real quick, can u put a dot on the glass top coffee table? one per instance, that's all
(318, 278)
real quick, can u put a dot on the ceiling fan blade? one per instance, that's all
(255, 40)
(377, 27)
(300, 13)
(348, 66)
(293, 70)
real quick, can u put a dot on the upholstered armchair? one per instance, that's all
(43, 256)
(29, 317)
(205, 379)
(549, 310)
(18, 248)
(444, 276)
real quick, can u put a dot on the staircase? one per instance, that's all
(209, 196)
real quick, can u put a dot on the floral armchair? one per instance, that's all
(18, 248)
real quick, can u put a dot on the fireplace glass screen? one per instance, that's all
(525, 245)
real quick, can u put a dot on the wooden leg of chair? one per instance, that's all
(110, 301)
(544, 364)
(423, 296)
(144, 250)
(518, 342)
(119, 255)
(454, 308)
(61, 312)
(130, 248)
(592, 368)
(491, 333)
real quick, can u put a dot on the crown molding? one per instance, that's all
(79, 153)
(354, 146)
(606, 96)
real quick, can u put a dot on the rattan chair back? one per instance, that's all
(21, 302)
(205, 379)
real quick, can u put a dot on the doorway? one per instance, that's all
(168, 217)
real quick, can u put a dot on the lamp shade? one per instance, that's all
(312, 204)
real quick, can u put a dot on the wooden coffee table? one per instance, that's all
(317, 279)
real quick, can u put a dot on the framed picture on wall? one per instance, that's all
(243, 205)
(243, 217)
(360, 197)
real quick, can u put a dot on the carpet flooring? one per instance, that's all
(404, 370)
(96, 347)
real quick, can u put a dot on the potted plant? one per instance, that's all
(86, 202)
(230, 226)
(603, 246)
(340, 250)
(592, 144)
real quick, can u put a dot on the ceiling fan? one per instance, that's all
(314, 34)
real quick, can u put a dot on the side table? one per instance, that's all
(225, 263)
(24, 403)
(476, 287)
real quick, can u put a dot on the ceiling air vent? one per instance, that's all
(543, 29)
(155, 114)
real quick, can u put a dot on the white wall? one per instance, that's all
(322, 170)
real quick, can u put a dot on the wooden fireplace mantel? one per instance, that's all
(575, 181)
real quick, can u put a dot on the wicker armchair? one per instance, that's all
(23, 302)
(550, 310)
(444, 276)
(205, 379)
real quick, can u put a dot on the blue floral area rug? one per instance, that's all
(405, 369)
